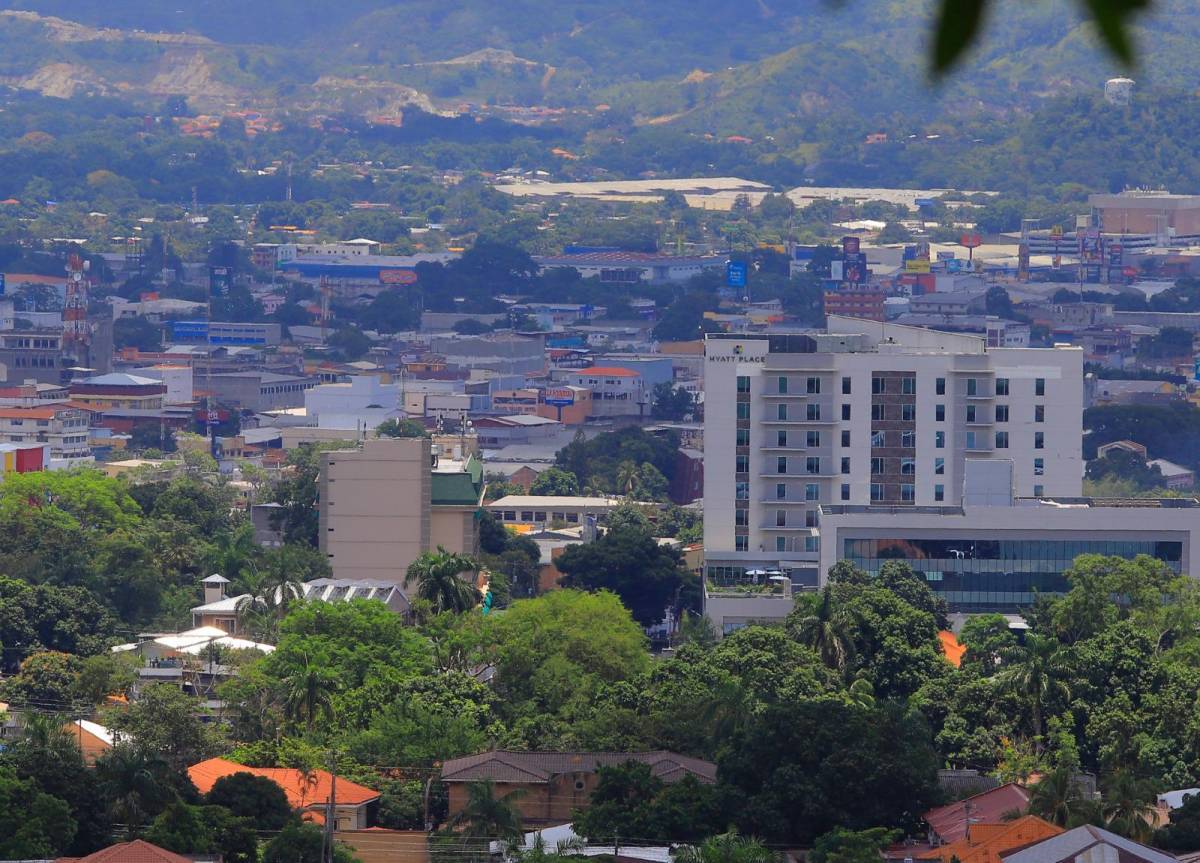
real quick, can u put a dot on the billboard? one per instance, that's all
(220, 280)
(917, 265)
(850, 245)
(397, 277)
(2, 289)
(735, 274)
(836, 269)
(559, 397)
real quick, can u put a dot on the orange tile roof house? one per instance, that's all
(555, 784)
(985, 843)
(354, 804)
(949, 823)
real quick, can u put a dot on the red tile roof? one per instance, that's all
(987, 842)
(27, 413)
(950, 822)
(952, 649)
(300, 792)
(137, 851)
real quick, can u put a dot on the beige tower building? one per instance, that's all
(385, 503)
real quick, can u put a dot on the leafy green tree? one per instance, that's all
(852, 846)
(136, 784)
(137, 333)
(1182, 832)
(988, 641)
(46, 681)
(1057, 798)
(822, 625)
(556, 482)
(1124, 466)
(894, 232)
(629, 801)
(33, 824)
(631, 564)
(165, 722)
(254, 797)
(1036, 677)
(1128, 806)
(650, 483)
(180, 828)
(439, 580)
(671, 402)
(303, 843)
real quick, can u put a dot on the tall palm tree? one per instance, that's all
(48, 736)
(1128, 806)
(308, 693)
(269, 597)
(827, 630)
(627, 476)
(486, 817)
(439, 582)
(1033, 676)
(135, 785)
(233, 552)
(727, 848)
(1056, 797)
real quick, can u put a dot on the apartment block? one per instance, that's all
(392, 499)
(869, 413)
(62, 428)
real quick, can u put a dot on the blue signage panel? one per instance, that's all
(735, 274)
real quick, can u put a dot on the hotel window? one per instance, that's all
(845, 464)
(1001, 413)
(876, 465)
(908, 492)
(878, 439)
(781, 518)
(1001, 386)
(1001, 440)
(781, 543)
(877, 413)
(939, 492)
(810, 518)
(908, 439)
(878, 385)
(743, 384)
(812, 491)
(1039, 440)
(846, 437)
(812, 464)
(908, 466)
(940, 386)
(782, 385)
(1039, 386)
(743, 410)
(971, 440)
(939, 413)
(813, 386)
(1039, 413)
(742, 464)
(1039, 491)
(1039, 467)
(908, 386)
(812, 438)
(813, 412)
(781, 438)
(780, 412)
(908, 413)
(876, 491)
(845, 491)
(971, 412)
(743, 437)
(780, 491)
(939, 466)
(741, 517)
(781, 464)
(845, 386)
(742, 491)
(972, 386)
(845, 413)
(741, 543)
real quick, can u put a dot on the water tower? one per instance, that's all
(1118, 91)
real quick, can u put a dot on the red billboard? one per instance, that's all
(397, 277)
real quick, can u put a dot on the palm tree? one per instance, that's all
(1056, 797)
(861, 691)
(1033, 676)
(1128, 807)
(438, 577)
(233, 552)
(134, 783)
(627, 476)
(308, 692)
(48, 736)
(269, 596)
(826, 629)
(727, 848)
(485, 817)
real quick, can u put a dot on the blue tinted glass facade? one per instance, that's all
(978, 575)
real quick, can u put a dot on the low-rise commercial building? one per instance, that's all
(259, 390)
(616, 392)
(119, 391)
(523, 509)
(63, 429)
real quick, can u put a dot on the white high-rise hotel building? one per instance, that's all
(870, 413)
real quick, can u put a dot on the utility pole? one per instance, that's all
(330, 810)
